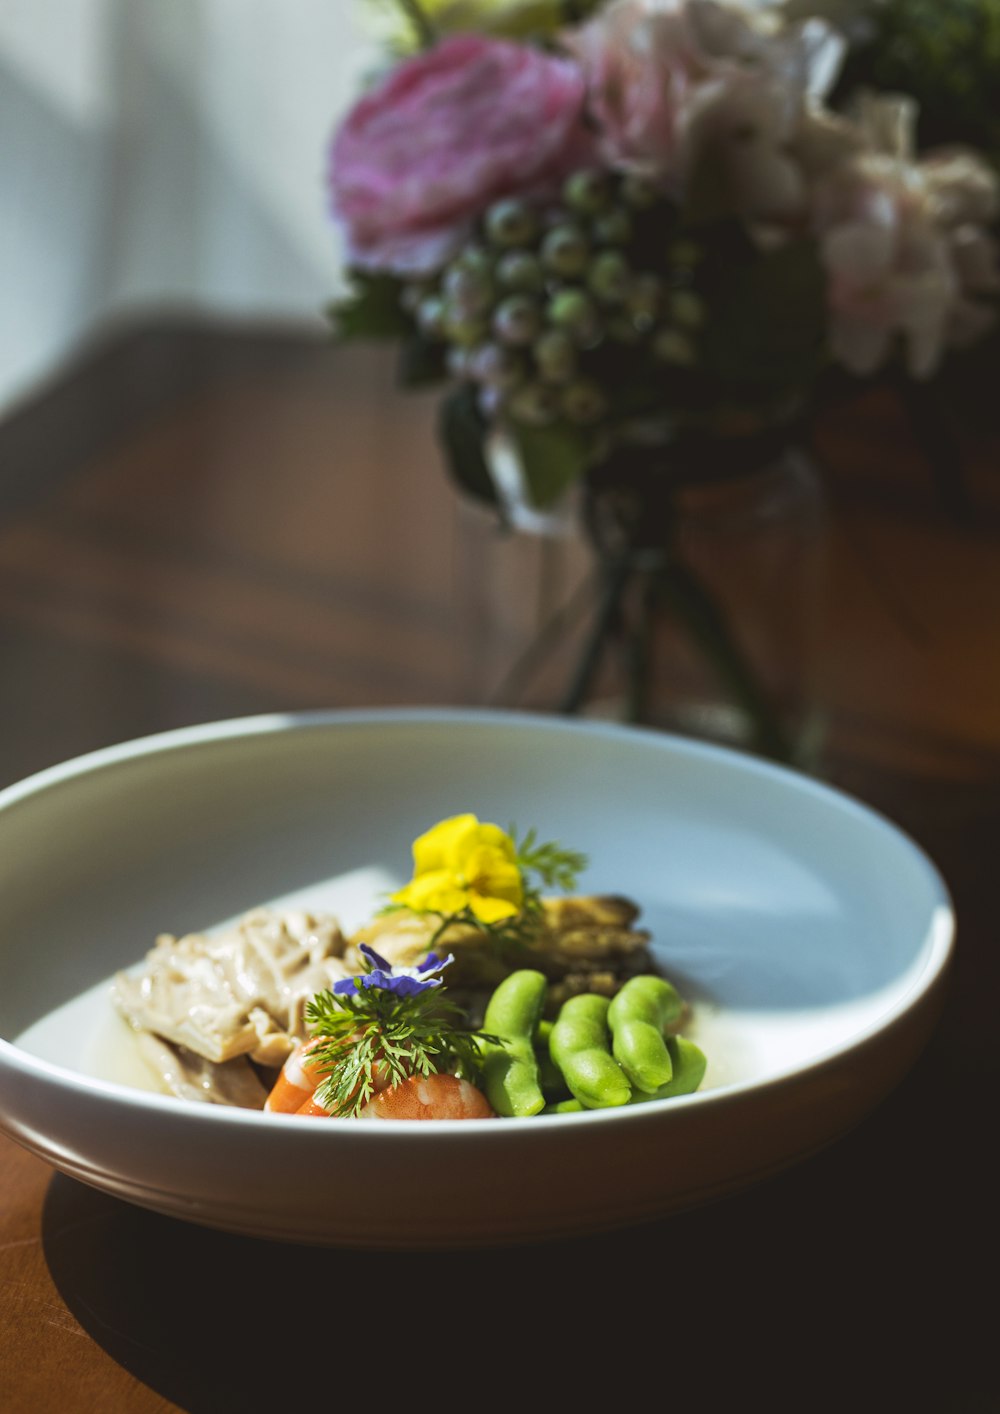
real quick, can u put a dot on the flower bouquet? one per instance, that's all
(635, 240)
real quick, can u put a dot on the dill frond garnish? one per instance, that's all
(555, 867)
(380, 1028)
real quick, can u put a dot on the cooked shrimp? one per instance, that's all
(429, 1097)
(297, 1082)
(313, 1107)
(294, 1090)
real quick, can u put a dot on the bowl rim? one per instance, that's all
(939, 958)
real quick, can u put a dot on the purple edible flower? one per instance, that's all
(402, 981)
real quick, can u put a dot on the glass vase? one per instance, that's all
(683, 592)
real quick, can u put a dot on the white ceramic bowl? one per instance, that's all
(810, 935)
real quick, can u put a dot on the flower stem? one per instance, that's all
(639, 645)
(696, 608)
(616, 577)
(422, 26)
(552, 632)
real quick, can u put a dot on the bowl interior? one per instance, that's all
(794, 919)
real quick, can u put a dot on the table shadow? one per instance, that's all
(219, 1323)
(823, 1261)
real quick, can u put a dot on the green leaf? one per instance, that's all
(944, 53)
(462, 431)
(421, 362)
(552, 459)
(766, 320)
(371, 309)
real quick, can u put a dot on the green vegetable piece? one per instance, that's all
(689, 1065)
(580, 1045)
(565, 1107)
(638, 1017)
(549, 1075)
(510, 1070)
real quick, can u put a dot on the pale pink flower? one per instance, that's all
(974, 256)
(902, 246)
(805, 55)
(750, 120)
(961, 188)
(823, 140)
(641, 64)
(737, 133)
(707, 98)
(446, 133)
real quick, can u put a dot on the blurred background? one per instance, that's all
(164, 156)
(200, 489)
(209, 509)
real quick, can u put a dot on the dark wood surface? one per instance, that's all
(200, 523)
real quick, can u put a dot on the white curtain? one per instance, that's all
(164, 153)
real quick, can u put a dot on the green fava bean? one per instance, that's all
(510, 1070)
(638, 1016)
(565, 1107)
(689, 1064)
(580, 1046)
(550, 1077)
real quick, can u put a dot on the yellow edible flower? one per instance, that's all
(463, 864)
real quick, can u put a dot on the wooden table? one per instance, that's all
(199, 523)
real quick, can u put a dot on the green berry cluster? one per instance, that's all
(531, 306)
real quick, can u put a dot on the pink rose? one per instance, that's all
(445, 134)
